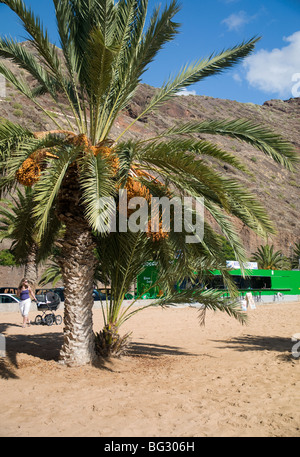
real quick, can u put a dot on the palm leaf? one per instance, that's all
(96, 180)
(38, 36)
(11, 135)
(18, 82)
(161, 30)
(47, 188)
(26, 60)
(245, 206)
(52, 274)
(228, 229)
(136, 51)
(248, 131)
(194, 149)
(267, 258)
(191, 74)
(16, 145)
(208, 299)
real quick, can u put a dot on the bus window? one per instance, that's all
(216, 282)
(237, 281)
(260, 282)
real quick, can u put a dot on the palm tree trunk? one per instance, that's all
(31, 267)
(78, 263)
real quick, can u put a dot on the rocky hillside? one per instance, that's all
(276, 188)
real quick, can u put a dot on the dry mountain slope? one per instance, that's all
(277, 188)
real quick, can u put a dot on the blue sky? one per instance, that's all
(272, 71)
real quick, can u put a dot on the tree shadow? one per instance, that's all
(45, 346)
(261, 343)
(155, 350)
(4, 326)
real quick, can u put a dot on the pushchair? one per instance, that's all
(48, 304)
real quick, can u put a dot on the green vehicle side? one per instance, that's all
(259, 282)
(263, 282)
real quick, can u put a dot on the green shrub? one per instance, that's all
(18, 113)
(17, 106)
(7, 259)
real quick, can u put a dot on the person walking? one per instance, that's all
(24, 292)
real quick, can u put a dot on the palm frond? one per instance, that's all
(65, 25)
(246, 207)
(12, 134)
(49, 58)
(208, 299)
(16, 145)
(18, 82)
(12, 159)
(52, 231)
(191, 74)
(161, 30)
(121, 24)
(195, 149)
(136, 51)
(97, 181)
(19, 223)
(258, 136)
(180, 169)
(22, 86)
(99, 69)
(52, 274)
(37, 35)
(26, 60)
(268, 258)
(228, 229)
(7, 218)
(48, 186)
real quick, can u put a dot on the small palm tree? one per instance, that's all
(121, 259)
(105, 49)
(17, 224)
(296, 256)
(268, 259)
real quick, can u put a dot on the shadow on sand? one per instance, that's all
(46, 346)
(155, 350)
(281, 345)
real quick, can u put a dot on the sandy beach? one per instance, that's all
(178, 379)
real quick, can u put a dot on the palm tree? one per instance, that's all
(106, 48)
(296, 256)
(268, 259)
(17, 224)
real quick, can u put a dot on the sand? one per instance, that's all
(178, 380)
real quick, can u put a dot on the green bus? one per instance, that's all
(265, 285)
(262, 283)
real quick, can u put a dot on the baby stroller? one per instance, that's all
(49, 303)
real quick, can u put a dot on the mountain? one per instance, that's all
(277, 189)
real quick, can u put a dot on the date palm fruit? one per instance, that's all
(29, 172)
(109, 154)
